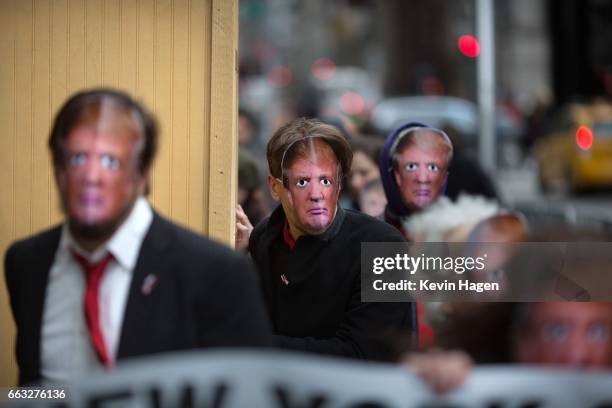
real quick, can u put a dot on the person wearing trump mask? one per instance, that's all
(307, 251)
(116, 280)
(414, 169)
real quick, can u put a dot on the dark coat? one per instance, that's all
(205, 296)
(466, 176)
(320, 309)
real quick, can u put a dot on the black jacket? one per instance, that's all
(320, 309)
(205, 296)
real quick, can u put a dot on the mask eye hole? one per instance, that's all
(599, 332)
(77, 159)
(411, 167)
(109, 161)
(555, 332)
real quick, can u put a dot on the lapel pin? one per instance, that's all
(148, 284)
(284, 279)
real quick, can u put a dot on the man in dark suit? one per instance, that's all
(116, 280)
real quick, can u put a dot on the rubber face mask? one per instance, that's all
(310, 186)
(421, 170)
(99, 180)
(569, 334)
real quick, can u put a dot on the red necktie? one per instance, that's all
(93, 274)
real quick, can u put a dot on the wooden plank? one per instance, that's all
(41, 115)
(94, 18)
(24, 12)
(181, 153)
(8, 31)
(59, 88)
(223, 140)
(145, 63)
(163, 104)
(199, 111)
(111, 43)
(8, 113)
(76, 60)
(128, 66)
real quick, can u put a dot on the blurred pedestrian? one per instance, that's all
(364, 167)
(250, 141)
(251, 195)
(372, 199)
(450, 221)
(117, 280)
(465, 175)
(469, 219)
(556, 334)
(248, 131)
(567, 334)
(414, 167)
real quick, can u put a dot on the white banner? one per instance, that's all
(224, 379)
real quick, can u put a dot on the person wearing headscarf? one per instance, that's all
(414, 169)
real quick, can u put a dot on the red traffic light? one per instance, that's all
(468, 45)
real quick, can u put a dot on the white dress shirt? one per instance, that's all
(66, 349)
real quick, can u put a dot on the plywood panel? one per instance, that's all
(164, 81)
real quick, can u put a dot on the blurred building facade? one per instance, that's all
(546, 50)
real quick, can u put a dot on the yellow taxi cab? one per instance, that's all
(576, 152)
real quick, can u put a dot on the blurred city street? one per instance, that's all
(523, 86)
(519, 189)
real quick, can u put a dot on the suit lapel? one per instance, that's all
(136, 319)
